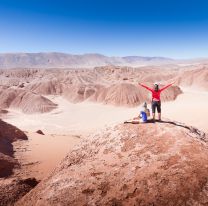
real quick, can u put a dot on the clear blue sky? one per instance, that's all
(171, 28)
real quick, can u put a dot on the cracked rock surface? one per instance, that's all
(162, 164)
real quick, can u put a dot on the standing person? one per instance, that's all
(156, 102)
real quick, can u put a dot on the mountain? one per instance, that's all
(63, 60)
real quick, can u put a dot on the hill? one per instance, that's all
(161, 164)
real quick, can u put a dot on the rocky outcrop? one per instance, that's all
(196, 77)
(25, 100)
(114, 85)
(120, 94)
(27, 89)
(8, 134)
(124, 94)
(161, 164)
(7, 165)
(40, 132)
(13, 189)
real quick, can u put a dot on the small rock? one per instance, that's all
(40, 132)
(3, 111)
(21, 85)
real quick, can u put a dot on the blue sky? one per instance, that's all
(170, 28)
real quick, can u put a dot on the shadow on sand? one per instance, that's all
(159, 121)
(194, 130)
(178, 124)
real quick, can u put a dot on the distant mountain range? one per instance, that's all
(63, 60)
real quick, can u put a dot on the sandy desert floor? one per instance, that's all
(40, 154)
(69, 123)
(70, 118)
(63, 128)
(190, 108)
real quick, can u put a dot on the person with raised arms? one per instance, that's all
(156, 101)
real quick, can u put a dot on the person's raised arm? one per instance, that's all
(146, 87)
(165, 87)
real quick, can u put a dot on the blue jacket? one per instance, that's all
(143, 116)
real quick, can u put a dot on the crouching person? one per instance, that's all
(143, 115)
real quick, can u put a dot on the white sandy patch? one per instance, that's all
(190, 108)
(71, 118)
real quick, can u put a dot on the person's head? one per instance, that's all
(145, 105)
(156, 87)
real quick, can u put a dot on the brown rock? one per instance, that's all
(161, 164)
(8, 134)
(22, 85)
(7, 164)
(12, 190)
(40, 132)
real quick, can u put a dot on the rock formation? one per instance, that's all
(21, 88)
(11, 188)
(161, 164)
(25, 100)
(8, 134)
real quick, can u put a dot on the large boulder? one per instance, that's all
(161, 164)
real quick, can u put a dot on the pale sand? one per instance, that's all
(63, 128)
(63, 125)
(190, 108)
(71, 118)
(41, 153)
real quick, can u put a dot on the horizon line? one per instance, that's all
(101, 54)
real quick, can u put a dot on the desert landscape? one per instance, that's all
(103, 103)
(63, 141)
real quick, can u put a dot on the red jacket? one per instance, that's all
(156, 94)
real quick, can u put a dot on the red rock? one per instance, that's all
(8, 134)
(162, 164)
